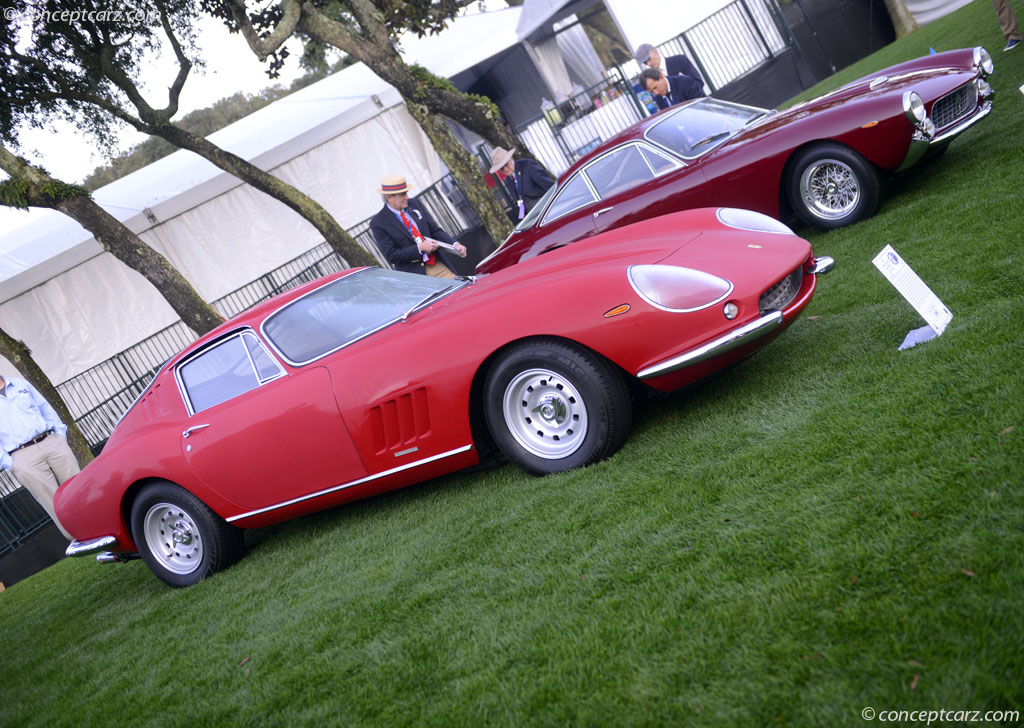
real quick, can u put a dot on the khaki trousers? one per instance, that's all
(40, 468)
(439, 270)
(1007, 19)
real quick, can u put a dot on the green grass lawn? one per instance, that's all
(834, 525)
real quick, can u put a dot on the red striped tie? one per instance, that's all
(428, 258)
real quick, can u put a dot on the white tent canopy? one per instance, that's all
(75, 305)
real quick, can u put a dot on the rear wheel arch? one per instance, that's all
(214, 543)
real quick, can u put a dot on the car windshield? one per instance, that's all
(696, 128)
(347, 309)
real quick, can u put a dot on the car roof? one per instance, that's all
(631, 133)
(252, 317)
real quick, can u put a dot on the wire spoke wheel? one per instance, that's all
(830, 189)
(545, 413)
(830, 185)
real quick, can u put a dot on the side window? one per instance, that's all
(225, 371)
(266, 367)
(659, 162)
(575, 194)
(618, 171)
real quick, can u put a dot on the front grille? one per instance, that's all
(954, 106)
(782, 293)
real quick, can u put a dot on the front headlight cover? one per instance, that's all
(676, 289)
(749, 220)
(983, 61)
(913, 107)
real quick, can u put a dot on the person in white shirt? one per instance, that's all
(33, 443)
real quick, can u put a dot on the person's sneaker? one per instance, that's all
(1010, 45)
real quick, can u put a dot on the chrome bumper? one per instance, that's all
(921, 143)
(732, 340)
(822, 265)
(84, 548)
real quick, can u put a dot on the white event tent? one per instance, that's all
(75, 305)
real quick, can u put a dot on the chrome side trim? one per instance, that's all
(344, 486)
(822, 265)
(732, 340)
(84, 548)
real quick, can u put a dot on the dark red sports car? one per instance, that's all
(824, 160)
(374, 379)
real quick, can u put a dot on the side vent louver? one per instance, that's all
(400, 422)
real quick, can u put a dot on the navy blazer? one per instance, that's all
(681, 66)
(532, 181)
(683, 88)
(397, 243)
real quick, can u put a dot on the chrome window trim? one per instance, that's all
(544, 220)
(350, 484)
(219, 341)
(677, 164)
(764, 113)
(456, 287)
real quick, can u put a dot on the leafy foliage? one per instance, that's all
(56, 56)
(14, 193)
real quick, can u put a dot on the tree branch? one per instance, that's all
(263, 46)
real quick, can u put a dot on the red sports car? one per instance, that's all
(824, 160)
(372, 379)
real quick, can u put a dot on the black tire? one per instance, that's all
(179, 537)
(831, 186)
(551, 406)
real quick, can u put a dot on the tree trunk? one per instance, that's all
(19, 355)
(127, 247)
(466, 172)
(335, 235)
(41, 190)
(432, 97)
(902, 21)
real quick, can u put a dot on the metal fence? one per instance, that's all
(20, 515)
(724, 47)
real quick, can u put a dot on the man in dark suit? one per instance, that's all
(406, 233)
(525, 179)
(647, 55)
(670, 90)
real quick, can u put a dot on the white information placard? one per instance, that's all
(912, 288)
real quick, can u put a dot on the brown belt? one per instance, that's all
(34, 441)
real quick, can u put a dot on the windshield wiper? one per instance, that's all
(429, 297)
(709, 139)
(759, 117)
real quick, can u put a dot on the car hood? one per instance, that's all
(695, 238)
(886, 82)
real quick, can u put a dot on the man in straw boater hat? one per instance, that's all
(408, 236)
(525, 179)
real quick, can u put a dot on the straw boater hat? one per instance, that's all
(499, 158)
(393, 184)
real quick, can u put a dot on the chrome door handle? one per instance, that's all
(192, 429)
(603, 210)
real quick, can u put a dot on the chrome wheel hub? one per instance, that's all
(545, 413)
(830, 189)
(173, 538)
